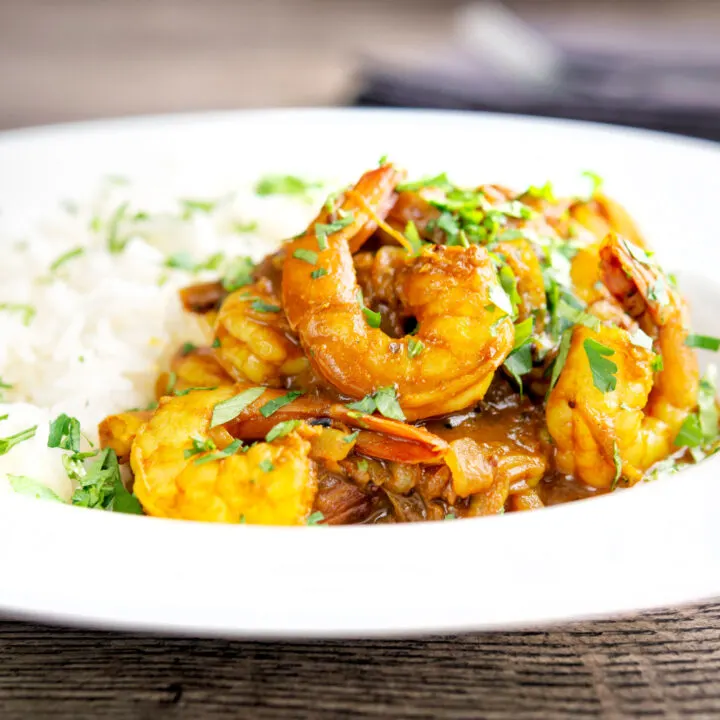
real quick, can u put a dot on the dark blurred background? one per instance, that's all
(653, 64)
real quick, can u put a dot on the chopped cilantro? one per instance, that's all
(322, 230)
(413, 236)
(438, 181)
(282, 429)
(266, 465)
(190, 207)
(262, 306)
(115, 243)
(690, 434)
(519, 363)
(315, 274)
(542, 192)
(66, 257)
(595, 180)
(603, 370)
(24, 485)
(231, 449)
(561, 357)
(238, 273)
(276, 403)
(8, 443)
(704, 342)
(101, 486)
(415, 347)
(64, 433)
(383, 160)
(315, 518)
(362, 465)
(509, 285)
(366, 405)
(351, 437)
(244, 227)
(657, 363)
(308, 256)
(284, 185)
(387, 403)
(195, 388)
(187, 348)
(523, 332)
(383, 400)
(228, 410)
(28, 312)
(500, 299)
(171, 383)
(199, 445)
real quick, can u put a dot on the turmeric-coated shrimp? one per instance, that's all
(181, 473)
(253, 340)
(601, 436)
(462, 336)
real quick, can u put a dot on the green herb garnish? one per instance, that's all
(266, 466)
(199, 445)
(308, 256)
(322, 230)
(262, 306)
(315, 518)
(603, 370)
(228, 410)
(282, 429)
(415, 347)
(65, 433)
(284, 185)
(101, 486)
(238, 273)
(8, 443)
(24, 485)
(704, 342)
(66, 257)
(276, 403)
(690, 433)
(231, 449)
(28, 312)
(315, 274)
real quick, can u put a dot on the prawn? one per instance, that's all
(603, 436)
(462, 336)
(180, 473)
(253, 341)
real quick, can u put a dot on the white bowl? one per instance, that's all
(657, 544)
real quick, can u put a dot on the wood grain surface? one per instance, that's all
(661, 665)
(75, 59)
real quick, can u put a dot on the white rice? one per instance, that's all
(104, 324)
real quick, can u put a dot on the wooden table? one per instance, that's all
(659, 665)
(75, 59)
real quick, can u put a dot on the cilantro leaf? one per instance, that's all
(282, 429)
(308, 256)
(263, 307)
(690, 433)
(284, 185)
(24, 485)
(704, 342)
(228, 410)
(603, 370)
(64, 433)
(276, 403)
(231, 449)
(561, 357)
(387, 403)
(415, 347)
(8, 443)
(315, 518)
(322, 230)
(238, 273)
